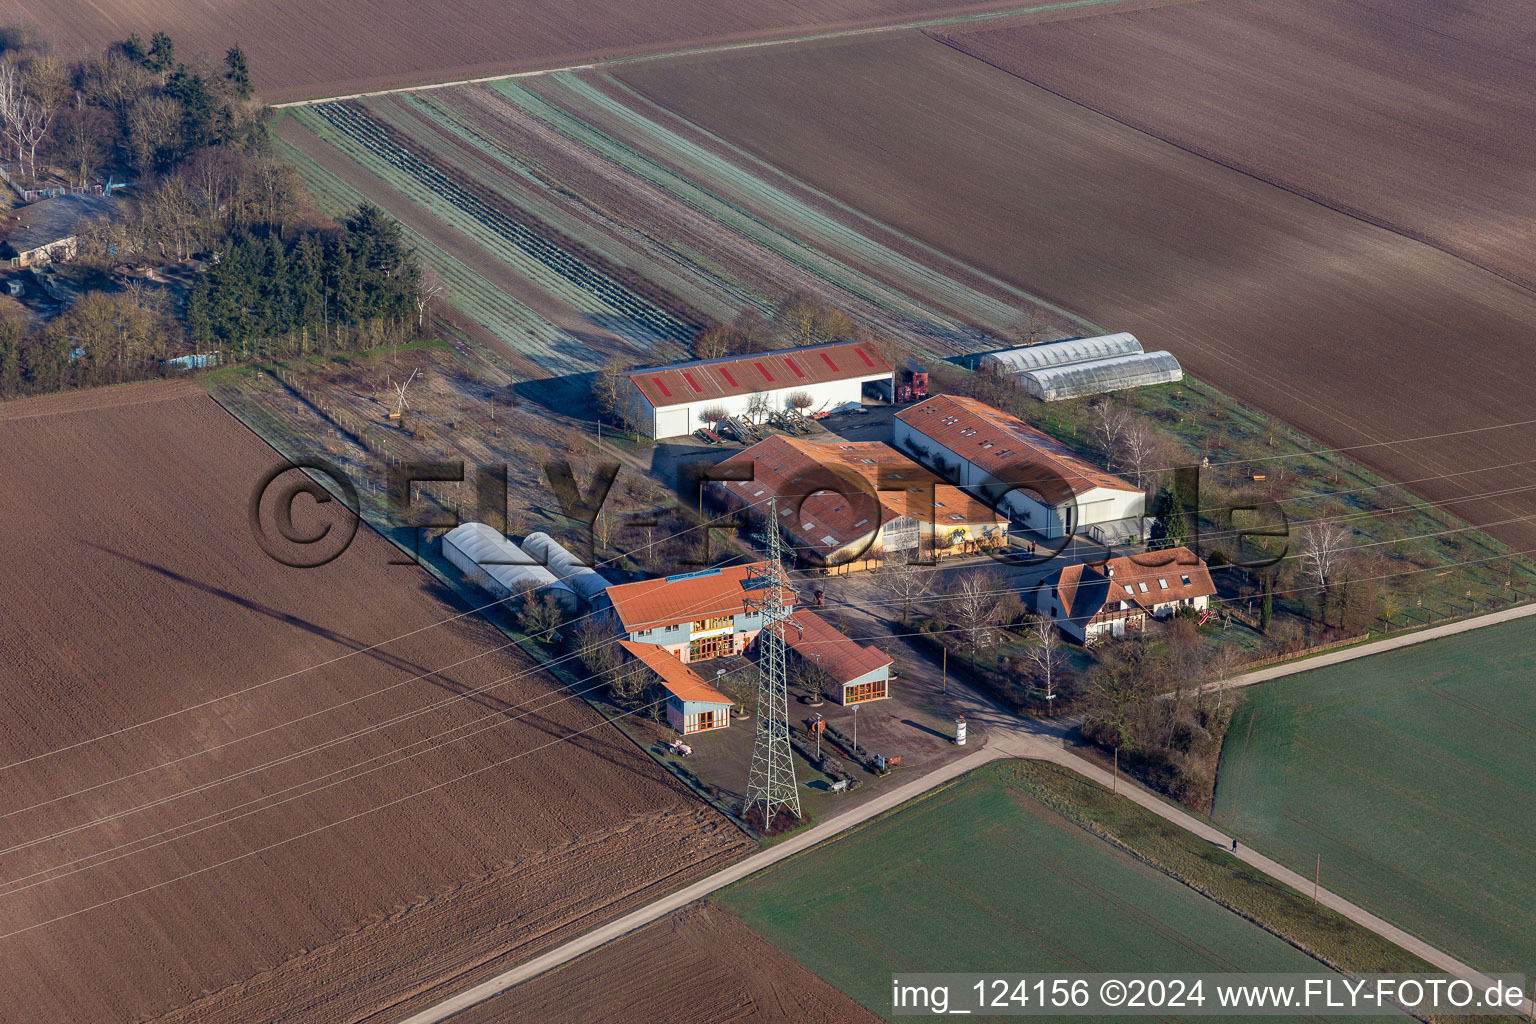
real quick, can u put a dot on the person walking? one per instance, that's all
(1234, 844)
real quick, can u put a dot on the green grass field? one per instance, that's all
(982, 877)
(1413, 774)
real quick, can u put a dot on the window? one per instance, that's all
(706, 720)
(1185, 578)
(957, 517)
(711, 647)
(1162, 584)
(715, 622)
(1142, 587)
(864, 691)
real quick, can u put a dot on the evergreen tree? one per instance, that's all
(1267, 605)
(162, 52)
(238, 72)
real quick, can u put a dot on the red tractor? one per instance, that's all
(911, 383)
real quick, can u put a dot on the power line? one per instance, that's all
(321, 828)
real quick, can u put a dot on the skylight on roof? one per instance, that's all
(1162, 584)
(1142, 586)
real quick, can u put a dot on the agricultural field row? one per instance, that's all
(689, 201)
(1346, 329)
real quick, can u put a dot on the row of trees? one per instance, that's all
(134, 105)
(266, 288)
(101, 339)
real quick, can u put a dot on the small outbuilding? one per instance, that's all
(856, 673)
(50, 229)
(692, 704)
(500, 567)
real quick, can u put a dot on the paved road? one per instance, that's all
(698, 890)
(1008, 736)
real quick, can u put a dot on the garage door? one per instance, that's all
(672, 422)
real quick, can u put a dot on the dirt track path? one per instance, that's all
(1009, 736)
(1004, 14)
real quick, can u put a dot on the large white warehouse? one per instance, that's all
(665, 401)
(1060, 353)
(501, 567)
(1020, 471)
(586, 581)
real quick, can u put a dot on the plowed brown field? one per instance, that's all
(300, 49)
(192, 826)
(1412, 114)
(698, 966)
(1354, 333)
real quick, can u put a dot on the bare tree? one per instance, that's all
(905, 579)
(1321, 552)
(427, 292)
(81, 138)
(759, 407)
(974, 607)
(712, 415)
(801, 400)
(608, 387)
(1137, 447)
(714, 342)
(1029, 329)
(26, 113)
(1046, 654)
(1107, 426)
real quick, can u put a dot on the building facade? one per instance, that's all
(1090, 602)
(692, 704)
(851, 504)
(666, 401)
(1020, 471)
(854, 673)
(693, 616)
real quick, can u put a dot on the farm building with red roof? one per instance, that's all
(666, 401)
(847, 504)
(692, 704)
(854, 673)
(1019, 470)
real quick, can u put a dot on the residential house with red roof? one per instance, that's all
(1089, 602)
(1019, 470)
(665, 401)
(694, 616)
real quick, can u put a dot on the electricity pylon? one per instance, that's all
(771, 781)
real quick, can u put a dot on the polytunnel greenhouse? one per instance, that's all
(499, 566)
(1060, 353)
(1074, 380)
(587, 582)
